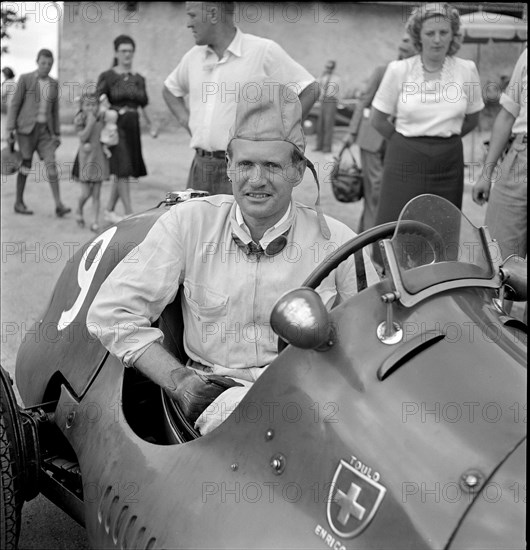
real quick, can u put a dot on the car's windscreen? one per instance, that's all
(434, 242)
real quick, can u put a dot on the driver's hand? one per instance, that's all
(481, 190)
(194, 391)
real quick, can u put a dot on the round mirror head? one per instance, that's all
(300, 318)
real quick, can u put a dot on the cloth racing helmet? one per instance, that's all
(275, 114)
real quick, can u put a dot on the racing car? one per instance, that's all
(395, 420)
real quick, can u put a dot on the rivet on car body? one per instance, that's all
(70, 419)
(269, 434)
(471, 480)
(278, 464)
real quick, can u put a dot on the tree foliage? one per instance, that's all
(10, 17)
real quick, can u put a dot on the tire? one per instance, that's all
(10, 482)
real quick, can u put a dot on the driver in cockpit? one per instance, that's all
(233, 256)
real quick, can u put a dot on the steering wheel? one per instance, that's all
(346, 250)
(409, 227)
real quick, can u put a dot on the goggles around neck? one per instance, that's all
(272, 249)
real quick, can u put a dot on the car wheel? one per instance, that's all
(10, 463)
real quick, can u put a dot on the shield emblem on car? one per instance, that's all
(352, 501)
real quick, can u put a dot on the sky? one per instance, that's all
(41, 31)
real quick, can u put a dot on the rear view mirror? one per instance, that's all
(514, 278)
(300, 318)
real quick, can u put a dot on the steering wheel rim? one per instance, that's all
(359, 242)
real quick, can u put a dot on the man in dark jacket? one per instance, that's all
(34, 116)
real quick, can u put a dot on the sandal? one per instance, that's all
(80, 221)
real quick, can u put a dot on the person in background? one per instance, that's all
(34, 116)
(8, 89)
(506, 213)
(92, 162)
(434, 99)
(224, 65)
(371, 143)
(330, 84)
(127, 93)
(228, 253)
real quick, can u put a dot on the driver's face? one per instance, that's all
(263, 178)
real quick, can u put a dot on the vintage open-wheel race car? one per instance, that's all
(396, 420)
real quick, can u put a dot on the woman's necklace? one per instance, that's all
(431, 71)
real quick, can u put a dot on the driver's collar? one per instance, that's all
(241, 230)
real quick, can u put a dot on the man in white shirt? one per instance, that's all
(225, 65)
(506, 215)
(507, 211)
(233, 256)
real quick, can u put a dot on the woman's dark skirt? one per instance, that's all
(417, 165)
(126, 160)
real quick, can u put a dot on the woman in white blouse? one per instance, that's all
(424, 105)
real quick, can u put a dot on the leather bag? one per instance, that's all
(11, 160)
(347, 180)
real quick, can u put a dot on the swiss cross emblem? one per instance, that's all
(353, 500)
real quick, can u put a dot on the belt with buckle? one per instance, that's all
(125, 109)
(210, 154)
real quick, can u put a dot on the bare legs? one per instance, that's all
(54, 184)
(53, 177)
(113, 198)
(21, 185)
(86, 191)
(89, 190)
(120, 190)
(96, 191)
(124, 192)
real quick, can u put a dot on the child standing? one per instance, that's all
(92, 163)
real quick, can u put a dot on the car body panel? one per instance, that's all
(500, 508)
(322, 408)
(73, 351)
